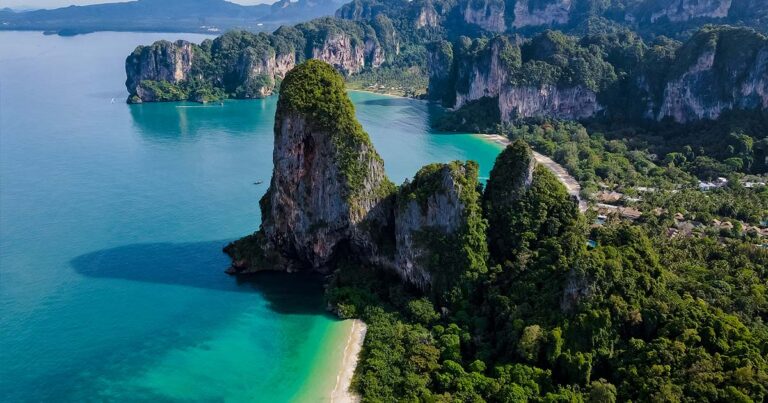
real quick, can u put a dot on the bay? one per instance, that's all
(112, 220)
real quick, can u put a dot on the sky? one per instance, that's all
(27, 4)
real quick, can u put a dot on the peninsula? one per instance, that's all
(495, 292)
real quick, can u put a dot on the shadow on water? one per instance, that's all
(201, 265)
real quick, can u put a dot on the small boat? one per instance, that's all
(258, 182)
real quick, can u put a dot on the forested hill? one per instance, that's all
(504, 291)
(672, 18)
(205, 16)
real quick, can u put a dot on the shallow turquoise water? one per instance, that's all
(112, 219)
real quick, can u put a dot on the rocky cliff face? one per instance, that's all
(258, 70)
(328, 190)
(487, 14)
(711, 77)
(556, 12)
(547, 101)
(427, 16)
(338, 51)
(684, 10)
(162, 61)
(330, 198)
(493, 70)
(241, 64)
(439, 62)
(433, 205)
(552, 75)
(483, 75)
(284, 63)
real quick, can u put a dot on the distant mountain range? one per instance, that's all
(202, 16)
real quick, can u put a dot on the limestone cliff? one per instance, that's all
(482, 70)
(241, 64)
(720, 68)
(427, 16)
(439, 62)
(717, 70)
(487, 14)
(162, 61)
(330, 199)
(531, 14)
(547, 100)
(684, 10)
(434, 211)
(339, 51)
(328, 190)
(494, 69)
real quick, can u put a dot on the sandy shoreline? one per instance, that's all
(380, 93)
(341, 392)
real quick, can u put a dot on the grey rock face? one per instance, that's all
(338, 51)
(309, 215)
(684, 10)
(484, 76)
(715, 82)
(430, 205)
(547, 100)
(162, 61)
(556, 12)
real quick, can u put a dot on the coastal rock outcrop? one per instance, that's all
(328, 190)
(329, 198)
(162, 61)
(510, 178)
(242, 64)
(435, 208)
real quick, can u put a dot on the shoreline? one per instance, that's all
(571, 184)
(330, 377)
(386, 94)
(342, 392)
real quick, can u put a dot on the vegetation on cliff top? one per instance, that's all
(316, 90)
(455, 260)
(636, 318)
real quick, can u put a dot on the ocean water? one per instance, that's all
(112, 220)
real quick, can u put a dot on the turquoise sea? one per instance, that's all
(112, 220)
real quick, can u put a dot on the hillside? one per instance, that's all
(203, 16)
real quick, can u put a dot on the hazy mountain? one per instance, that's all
(203, 16)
